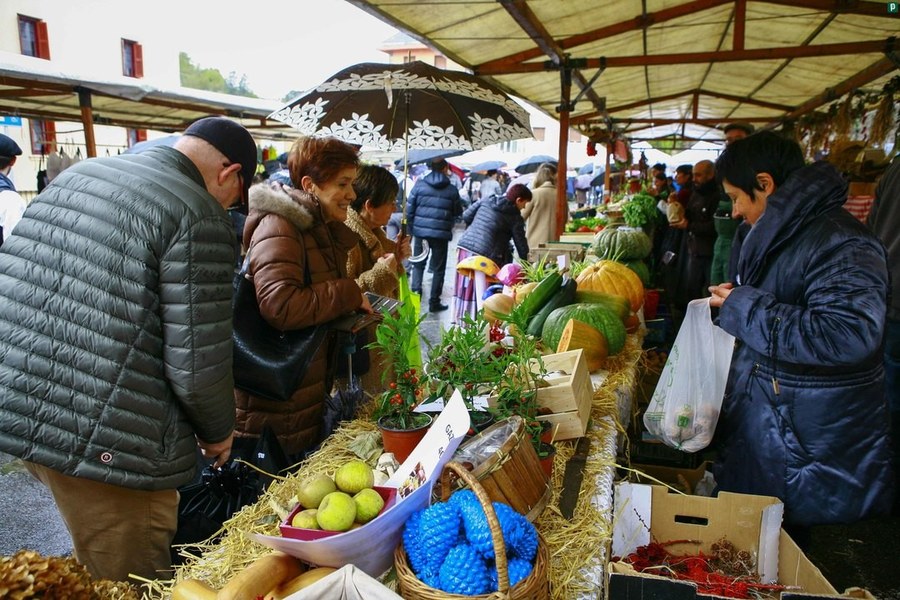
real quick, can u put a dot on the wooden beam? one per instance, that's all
(695, 109)
(24, 93)
(745, 100)
(498, 66)
(869, 74)
(846, 7)
(870, 47)
(740, 24)
(530, 24)
(712, 122)
(87, 120)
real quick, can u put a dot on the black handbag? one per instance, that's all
(269, 363)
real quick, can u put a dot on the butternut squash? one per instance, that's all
(261, 576)
(298, 583)
(192, 589)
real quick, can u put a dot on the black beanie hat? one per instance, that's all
(232, 140)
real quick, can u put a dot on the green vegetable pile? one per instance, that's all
(640, 211)
(590, 222)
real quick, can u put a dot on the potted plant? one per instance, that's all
(401, 427)
(467, 359)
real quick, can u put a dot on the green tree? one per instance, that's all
(199, 78)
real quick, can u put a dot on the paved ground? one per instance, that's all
(861, 555)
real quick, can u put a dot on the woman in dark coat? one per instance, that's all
(804, 416)
(297, 246)
(491, 223)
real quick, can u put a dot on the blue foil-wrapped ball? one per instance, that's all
(464, 572)
(414, 550)
(519, 536)
(518, 569)
(440, 529)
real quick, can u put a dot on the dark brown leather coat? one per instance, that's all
(284, 234)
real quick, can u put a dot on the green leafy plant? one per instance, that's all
(405, 388)
(640, 211)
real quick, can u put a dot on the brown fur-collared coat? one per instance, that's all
(284, 234)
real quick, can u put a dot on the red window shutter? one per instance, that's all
(50, 135)
(43, 40)
(138, 52)
(141, 135)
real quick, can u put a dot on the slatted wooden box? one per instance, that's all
(569, 395)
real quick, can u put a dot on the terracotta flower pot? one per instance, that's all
(549, 453)
(401, 441)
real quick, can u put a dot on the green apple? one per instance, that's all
(306, 519)
(354, 476)
(368, 504)
(336, 512)
(313, 489)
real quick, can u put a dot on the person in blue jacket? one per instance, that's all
(804, 416)
(431, 212)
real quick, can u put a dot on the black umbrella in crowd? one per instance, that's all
(532, 163)
(418, 156)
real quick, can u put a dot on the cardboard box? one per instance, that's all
(751, 523)
(569, 395)
(673, 476)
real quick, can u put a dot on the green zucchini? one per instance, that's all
(563, 297)
(533, 302)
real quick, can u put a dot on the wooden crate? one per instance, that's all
(569, 395)
(551, 250)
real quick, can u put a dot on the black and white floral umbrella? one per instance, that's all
(406, 106)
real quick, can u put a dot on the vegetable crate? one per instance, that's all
(551, 250)
(752, 523)
(569, 394)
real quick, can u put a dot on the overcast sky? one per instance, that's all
(281, 46)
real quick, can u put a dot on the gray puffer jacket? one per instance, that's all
(115, 321)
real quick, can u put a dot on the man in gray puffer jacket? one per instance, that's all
(115, 321)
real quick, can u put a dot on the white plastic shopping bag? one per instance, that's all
(685, 406)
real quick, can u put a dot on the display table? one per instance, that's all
(578, 545)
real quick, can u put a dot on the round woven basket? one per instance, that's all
(533, 587)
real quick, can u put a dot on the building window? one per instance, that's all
(409, 58)
(43, 136)
(509, 146)
(132, 59)
(539, 133)
(33, 37)
(575, 136)
(440, 62)
(136, 135)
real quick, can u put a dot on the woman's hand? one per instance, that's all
(719, 293)
(366, 306)
(404, 248)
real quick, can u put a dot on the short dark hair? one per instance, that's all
(685, 169)
(659, 167)
(745, 127)
(375, 184)
(438, 164)
(763, 152)
(518, 190)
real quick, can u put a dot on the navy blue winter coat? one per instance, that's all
(491, 224)
(804, 416)
(433, 207)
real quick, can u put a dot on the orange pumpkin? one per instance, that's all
(613, 278)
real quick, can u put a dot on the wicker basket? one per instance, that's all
(533, 587)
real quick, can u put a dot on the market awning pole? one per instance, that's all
(87, 120)
(606, 176)
(406, 99)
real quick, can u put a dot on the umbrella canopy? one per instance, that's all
(426, 155)
(167, 140)
(406, 106)
(531, 164)
(586, 169)
(488, 165)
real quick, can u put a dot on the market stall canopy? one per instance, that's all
(32, 88)
(656, 68)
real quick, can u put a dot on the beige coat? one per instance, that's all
(540, 216)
